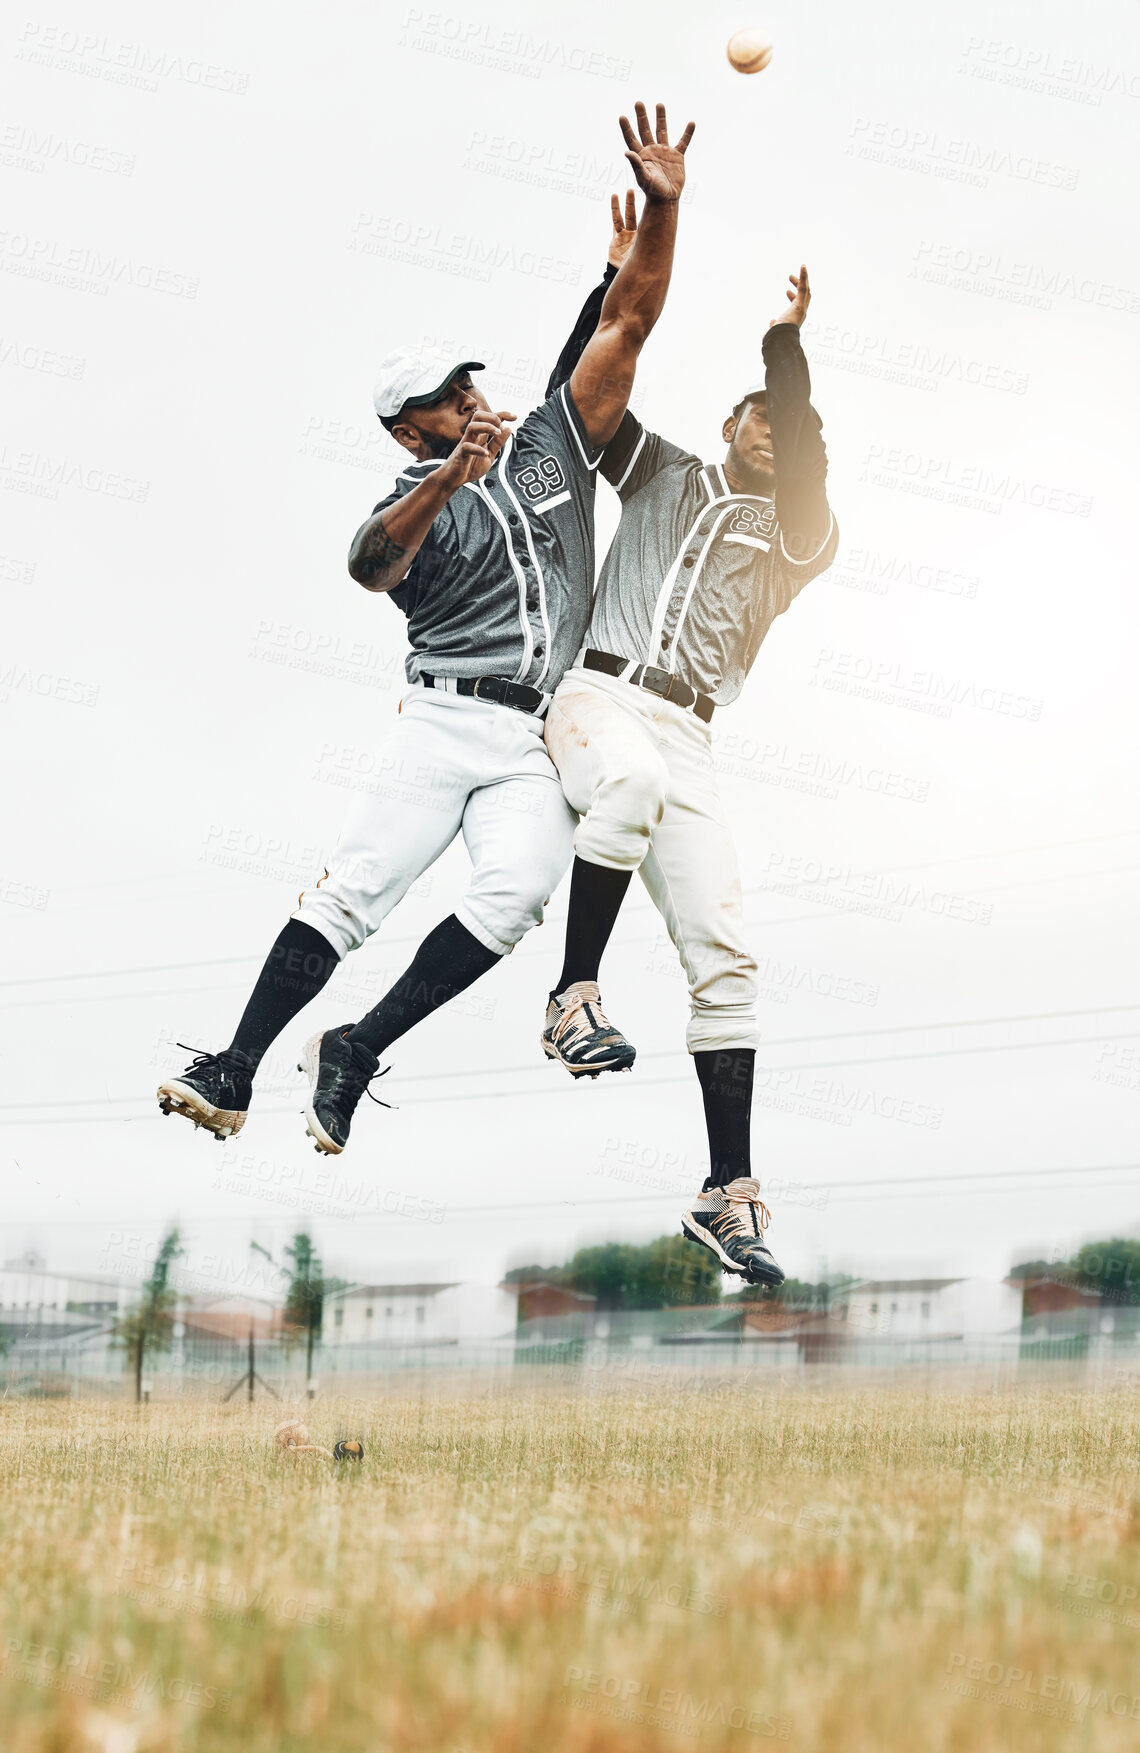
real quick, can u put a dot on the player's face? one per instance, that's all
(750, 446)
(439, 425)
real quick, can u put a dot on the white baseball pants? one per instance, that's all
(639, 771)
(453, 765)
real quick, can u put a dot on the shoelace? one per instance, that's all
(730, 1221)
(361, 1074)
(226, 1060)
(377, 1099)
(573, 1019)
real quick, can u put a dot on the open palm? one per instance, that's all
(658, 167)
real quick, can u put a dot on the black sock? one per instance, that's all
(448, 961)
(726, 1084)
(297, 967)
(596, 895)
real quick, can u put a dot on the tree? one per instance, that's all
(671, 1271)
(148, 1327)
(535, 1275)
(602, 1272)
(305, 1298)
(662, 1274)
(1110, 1270)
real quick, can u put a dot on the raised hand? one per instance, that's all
(799, 298)
(474, 455)
(658, 167)
(625, 230)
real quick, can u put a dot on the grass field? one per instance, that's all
(850, 1571)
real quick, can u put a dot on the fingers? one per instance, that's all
(615, 211)
(630, 211)
(637, 164)
(485, 417)
(646, 134)
(485, 433)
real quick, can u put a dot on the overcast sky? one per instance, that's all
(214, 232)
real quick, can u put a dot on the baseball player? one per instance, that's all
(486, 544)
(704, 558)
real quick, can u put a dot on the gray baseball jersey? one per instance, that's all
(501, 585)
(696, 573)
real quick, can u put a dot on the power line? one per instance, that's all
(412, 937)
(675, 1053)
(112, 973)
(882, 1186)
(643, 1083)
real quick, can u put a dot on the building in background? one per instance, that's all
(931, 1308)
(417, 1314)
(37, 1303)
(541, 1297)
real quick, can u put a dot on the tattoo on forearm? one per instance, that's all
(378, 548)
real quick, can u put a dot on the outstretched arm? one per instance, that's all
(798, 453)
(621, 242)
(603, 378)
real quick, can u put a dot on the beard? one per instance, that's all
(433, 443)
(755, 477)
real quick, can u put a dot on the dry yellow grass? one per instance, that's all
(850, 1571)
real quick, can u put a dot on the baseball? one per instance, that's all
(749, 51)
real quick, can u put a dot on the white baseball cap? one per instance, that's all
(754, 389)
(411, 379)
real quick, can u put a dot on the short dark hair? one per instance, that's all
(390, 425)
(756, 396)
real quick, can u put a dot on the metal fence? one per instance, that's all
(661, 1351)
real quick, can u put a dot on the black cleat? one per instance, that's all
(581, 1036)
(339, 1072)
(730, 1221)
(214, 1091)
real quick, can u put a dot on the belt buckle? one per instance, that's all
(491, 698)
(661, 681)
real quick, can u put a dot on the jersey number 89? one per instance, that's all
(539, 479)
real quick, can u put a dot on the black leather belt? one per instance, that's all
(497, 690)
(661, 682)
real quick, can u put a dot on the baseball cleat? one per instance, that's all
(581, 1036)
(339, 1073)
(731, 1222)
(214, 1091)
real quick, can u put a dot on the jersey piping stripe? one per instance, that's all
(549, 504)
(504, 482)
(425, 463)
(793, 562)
(637, 450)
(666, 590)
(570, 421)
(696, 573)
(480, 487)
(747, 542)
